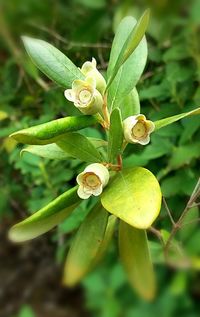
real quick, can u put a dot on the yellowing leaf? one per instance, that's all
(134, 253)
(134, 196)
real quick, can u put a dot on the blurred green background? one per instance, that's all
(30, 274)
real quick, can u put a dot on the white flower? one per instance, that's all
(90, 69)
(92, 180)
(85, 96)
(137, 129)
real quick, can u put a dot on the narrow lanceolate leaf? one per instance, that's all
(49, 132)
(85, 246)
(130, 105)
(53, 63)
(115, 138)
(134, 196)
(131, 71)
(164, 122)
(50, 151)
(78, 146)
(46, 218)
(134, 253)
(133, 40)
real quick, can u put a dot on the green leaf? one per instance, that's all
(46, 218)
(134, 253)
(50, 151)
(78, 146)
(134, 196)
(116, 135)
(131, 43)
(184, 154)
(164, 122)
(130, 105)
(53, 63)
(85, 246)
(51, 131)
(130, 72)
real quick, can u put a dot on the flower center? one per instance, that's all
(91, 180)
(85, 96)
(139, 130)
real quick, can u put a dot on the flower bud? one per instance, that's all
(85, 96)
(92, 180)
(89, 69)
(137, 129)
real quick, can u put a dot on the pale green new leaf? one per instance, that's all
(133, 40)
(131, 71)
(164, 122)
(46, 218)
(78, 146)
(134, 196)
(49, 132)
(50, 151)
(115, 138)
(134, 253)
(53, 63)
(85, 246)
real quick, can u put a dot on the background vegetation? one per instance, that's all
(30, 274)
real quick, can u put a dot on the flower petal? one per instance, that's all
(100, 170)
(69, 95)
(82, 194)
(145, 141)
(79, 178)
(97, 191)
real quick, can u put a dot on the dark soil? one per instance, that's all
(29, 275)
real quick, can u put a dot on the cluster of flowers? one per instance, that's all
(87, 96)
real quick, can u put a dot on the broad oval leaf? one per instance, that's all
(130, 105)
(50, 151)
(133, 40)
(134, 253)
(116, 135)
(49, 132)
(134, 196)
(46, 218)
(130, 72)
(166, 121)
(78, 146)
(85, 246)
(53, 63)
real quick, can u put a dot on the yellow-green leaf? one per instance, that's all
(46, 218)
(134, 253)
(134, 196)
(85, 246)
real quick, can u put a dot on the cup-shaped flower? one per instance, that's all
(85, 96)
(137, 129)
(90, 69)
(92, 180)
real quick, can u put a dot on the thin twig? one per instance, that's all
(71, 43)
(169, 212)
(178, 224)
